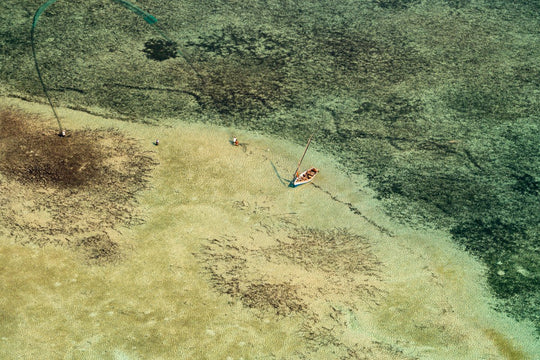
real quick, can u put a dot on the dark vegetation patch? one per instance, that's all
(458, 4)
(64, 190)
(243, 272)
(246, 90)
(511, 248)
(526, 184)
(160, 49)
(35, 157)
(319, 275)
(243, 71)
(282, 297)
(250, 74)
(251, 44)
(99, 249)
(332, 251)
(488, 202)
(395, 4)
(360, 60)
(533, 6)
(230, 266)
(393, 110)
(501, 100)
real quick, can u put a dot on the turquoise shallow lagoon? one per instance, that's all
(434, 104)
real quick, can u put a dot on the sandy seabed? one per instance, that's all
(225, 261)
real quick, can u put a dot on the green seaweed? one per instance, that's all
(395, 4)
(160, 50)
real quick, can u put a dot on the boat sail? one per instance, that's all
(308, 175)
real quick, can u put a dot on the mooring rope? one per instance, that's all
(149, 18)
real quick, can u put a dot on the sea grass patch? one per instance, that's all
(318, 275)
(160, 50)
(68, 191)
(38, 157)
(243, 70)
(395, 4)
(327, 258)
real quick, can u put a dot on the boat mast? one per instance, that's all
(304, 154)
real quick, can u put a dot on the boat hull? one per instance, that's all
(305, 177)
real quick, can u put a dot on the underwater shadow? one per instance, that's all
(281, 179)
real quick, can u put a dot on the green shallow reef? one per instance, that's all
(436, 102)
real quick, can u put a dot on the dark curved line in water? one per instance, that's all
(355, 211)
(149, 18)
(151, 88)
(32, 37)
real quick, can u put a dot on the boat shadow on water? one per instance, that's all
(282, 180)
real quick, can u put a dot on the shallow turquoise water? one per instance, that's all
(436, 102)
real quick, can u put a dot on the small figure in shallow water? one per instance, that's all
(157, 142)
(235, 141)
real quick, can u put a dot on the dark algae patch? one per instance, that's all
(160, 50)
(435, 102)
(40, 158)
(395, 4)
(243, 70)
(291, 271)
(71, 191)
